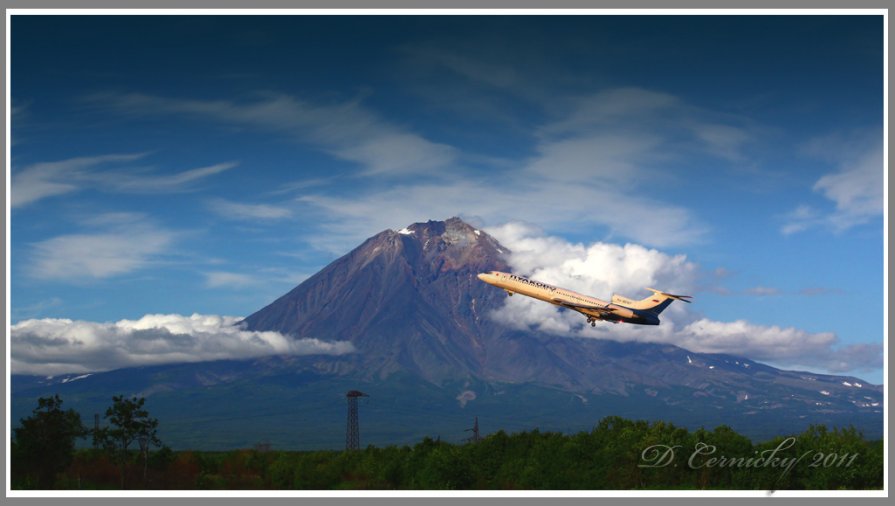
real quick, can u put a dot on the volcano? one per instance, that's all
(431, 356)
(410, 302)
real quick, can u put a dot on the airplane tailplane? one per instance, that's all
(655, 303)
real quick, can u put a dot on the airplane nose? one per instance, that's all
(482, 277)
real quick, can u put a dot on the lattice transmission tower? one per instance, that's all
(475, 432)
(352, 434)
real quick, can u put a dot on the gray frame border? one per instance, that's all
(767, 5)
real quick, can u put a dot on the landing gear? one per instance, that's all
(509, 293)
(592, 321)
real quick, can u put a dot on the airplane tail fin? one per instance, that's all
(655, 303)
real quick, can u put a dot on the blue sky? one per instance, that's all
(171, 165)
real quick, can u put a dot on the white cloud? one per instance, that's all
(555, 204)
(58, 346)
(601, 269)
(126, 243)
(220, 279)
(79, 256)
(786, 346)
(621, 108)
(395, 152)
(130, 182)
(241, 211)
(599, 158)
(497, 75)
(722, 140)
(763, 291)
(855, 188)
(48, 179)
(347, 130)
(590, 162)
(662, 122)
(597, 165)
(476, 76)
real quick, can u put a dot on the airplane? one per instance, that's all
(620, 309)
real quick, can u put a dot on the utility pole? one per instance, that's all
(352, 434)
(144, 450)
(475, 432)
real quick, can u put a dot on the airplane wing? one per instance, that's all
(585, 307)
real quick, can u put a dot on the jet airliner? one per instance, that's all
(620, 309)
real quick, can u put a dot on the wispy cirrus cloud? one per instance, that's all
(58, 346)
(604, 268)
(137, 182)
(855, 188)
(762, 291)
(493, 77)
(588, 168)
(48, 179)
(347, 130)
(592, 154)
(243, 211)
(223, 279)
(117, 244)
(661, 125)
(547, 203)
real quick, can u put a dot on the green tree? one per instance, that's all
(44, 444)
(129, 423)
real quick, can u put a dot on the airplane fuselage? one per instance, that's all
(591, 307)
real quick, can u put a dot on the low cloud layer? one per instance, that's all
(59, 346)
(787, 346)
(602, 268)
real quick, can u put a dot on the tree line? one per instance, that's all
(616, 454)
(43, 446)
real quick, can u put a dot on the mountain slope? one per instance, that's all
(407, 301)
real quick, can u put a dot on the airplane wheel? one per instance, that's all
(593, 324)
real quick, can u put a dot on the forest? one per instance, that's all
(616, 454)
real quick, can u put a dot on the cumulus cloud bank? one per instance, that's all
(778, 345)
(57, 346)
(603, 268)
